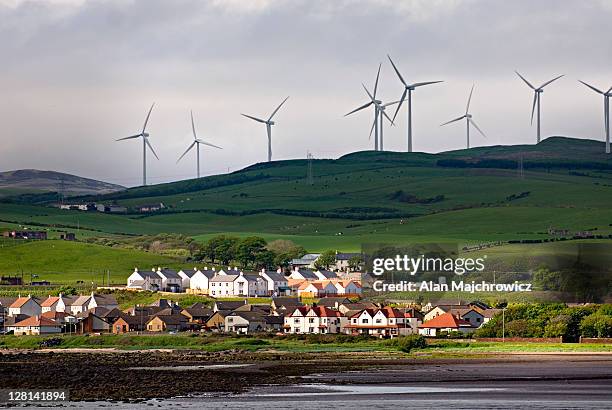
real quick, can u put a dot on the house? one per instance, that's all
(446, 322)
(171, 280)
(61, 318)
(343, 259)
(186, 274)
(303, 274)
(11, 280)
(356, 307)
(200, 280)
(167, 323)
(489, 314)
(27, 234)
(440, 309)
(91, 322)
(87, 302)
(283, 304)
(59, 303)
(5, 302)
(313, 320)
(349, 287)
(197, 315)
(382, 322)
(67, 236)
(144, 280)
(323, 274)
(228, 305)
(150, 207)
(35, 325)
(276, 282)
(333, 302)
(306, 261)
(25, 306)
(127, 323)
(240, 284)
(245, 322)
(113, 209)
(217, 321)
(316, 289)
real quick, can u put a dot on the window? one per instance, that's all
(311, 329)
(311, 320)
(296, 321)
(364, 320)
(378, 320)
(230, 319)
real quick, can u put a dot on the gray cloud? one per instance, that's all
(78, 74)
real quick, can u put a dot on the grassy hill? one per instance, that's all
(470, 195)
(66, 262)
(33, 181)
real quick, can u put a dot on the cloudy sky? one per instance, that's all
(77, 74)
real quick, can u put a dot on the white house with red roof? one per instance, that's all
(446, 322)
(383, 322)
(347, 287)
(316, 289)
(56, 304)
(35, 325)
(25, 306)
(313, 320)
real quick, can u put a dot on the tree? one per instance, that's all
(596, 325)
(219, 248)
(251, 249)
(355, 263)
(284, 251)
(326, 259)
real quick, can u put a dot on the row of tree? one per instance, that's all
(551, 320)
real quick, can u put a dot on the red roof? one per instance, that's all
(20, 302)
(445, 321)
(37, 321)
(320, 311)
(51, 300)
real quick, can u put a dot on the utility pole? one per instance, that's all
(309, 178)
(521, 173)
(503, 325)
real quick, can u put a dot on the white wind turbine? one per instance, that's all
(145, 143)
(606, 96)
(196, 142)
(537, 96)
(269, 123)
(378, 110)
(380, 113)
(468, 119)
(408, 88)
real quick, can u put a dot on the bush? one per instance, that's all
(596, 325)
(252, 342)
(407, 343)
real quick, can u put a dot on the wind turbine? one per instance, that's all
(379, 114)
(606, 97)
(468, 119)
(408, 88)
(377, 110)
(269, 123)
(196, 142)
(145, 144)
(537, 97)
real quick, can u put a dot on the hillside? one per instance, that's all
(466, 195)
(27, 181)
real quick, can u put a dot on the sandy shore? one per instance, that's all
(109, 375)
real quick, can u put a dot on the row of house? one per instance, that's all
(111, 208)
(309, 260)
(232, 282)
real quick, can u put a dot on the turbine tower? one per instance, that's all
(606, 96)
(145, 144)
(537, 96)
(377, 111)
(269, 123)
(196, 142)
(408, 88)
(379, 114)
(468, 119)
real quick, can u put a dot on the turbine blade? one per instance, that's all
(207, 143)
(277, 108)
(397, 71)
(385, 114)
(186, 151)
(550, 81)
(526, 82)
(609, 89)
(147, 119)
(193, 126)
(390, 103)
(150, 147)
(467, 108)
(455, 120)
(372, 129)
(130, 137)
(254, 118)
(401, 102)
(359, 108)
(476, 126)
(369, 95)
(591, 87)
(415, 85)
(535, 100)
(376, 83)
